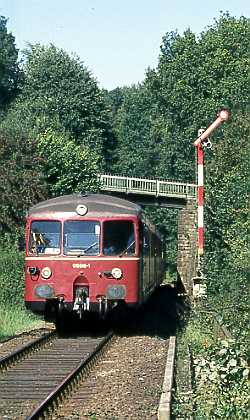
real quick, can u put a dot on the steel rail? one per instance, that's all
(21, 352)
(67, 384)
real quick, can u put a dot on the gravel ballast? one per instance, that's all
(10, 345)
(125, 384)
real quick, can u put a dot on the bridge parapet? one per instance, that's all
(144, 186)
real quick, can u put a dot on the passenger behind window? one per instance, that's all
(109, 249)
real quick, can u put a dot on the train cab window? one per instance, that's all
(118, 238)
(81, 237)
(45, 237)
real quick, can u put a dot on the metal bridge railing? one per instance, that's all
(147, 186)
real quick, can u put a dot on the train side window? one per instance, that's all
(118, 237)
(45, 237)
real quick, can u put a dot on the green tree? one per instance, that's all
(21, 179)
(195, 77)
(228, 223)
(65, 112)
(138, 149)
(115, 99)
(9, 69)
(155, 122)
(128, 131)
(60, 93)
(67, 167)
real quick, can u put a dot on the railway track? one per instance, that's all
(24, 350)
(36, 377)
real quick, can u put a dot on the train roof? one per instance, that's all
(97, 205)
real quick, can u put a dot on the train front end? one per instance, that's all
(82, 256)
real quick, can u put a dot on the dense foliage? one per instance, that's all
(219, 372)
(68, 167)
(10, 75)
(59, 92)
(228, 223)
(221, 369)
(195, 77)
(155, 122)
(21, 179)
(62, 109)
(11, 275)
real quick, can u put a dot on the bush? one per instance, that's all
(21, 180)
(11, 275)
(221, 371)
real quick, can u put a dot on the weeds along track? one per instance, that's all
(36, 377)
(219, 328)
(185, 372)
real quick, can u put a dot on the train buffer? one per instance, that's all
(149, 191)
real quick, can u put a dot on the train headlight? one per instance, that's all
(44, 291)
(116, 292)
(81, 209)
(116, 273)
(46, 273)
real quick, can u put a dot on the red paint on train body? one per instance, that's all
(89, 253)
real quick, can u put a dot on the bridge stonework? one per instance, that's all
(187, 245)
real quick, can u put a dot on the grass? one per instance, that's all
(14, 320)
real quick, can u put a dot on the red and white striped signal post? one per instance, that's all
(200, 196)
(199, 143)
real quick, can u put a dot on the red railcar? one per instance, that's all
(89, 253)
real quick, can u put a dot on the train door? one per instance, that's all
(152, 260)
(145, 259)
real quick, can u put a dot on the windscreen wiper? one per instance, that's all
(126, 249)
(89, 247)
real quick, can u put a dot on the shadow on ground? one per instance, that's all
(161, 316)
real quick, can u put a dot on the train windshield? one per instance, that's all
(81, 238)
(45, 237)
(118, 238)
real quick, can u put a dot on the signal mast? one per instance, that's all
(201, 142)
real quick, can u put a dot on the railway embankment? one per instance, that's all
(211, 370)
(211, 359)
